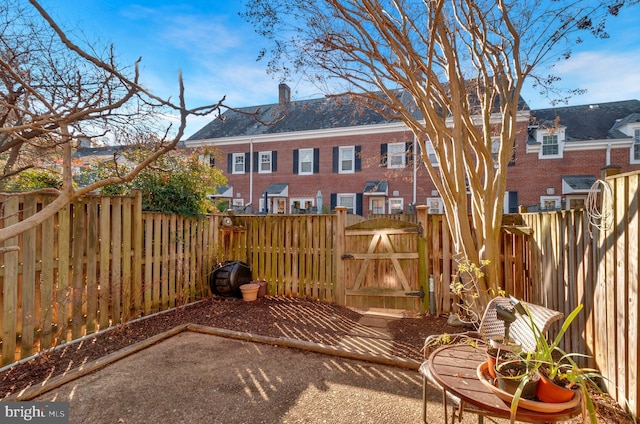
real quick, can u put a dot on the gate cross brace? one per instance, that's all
(391, 254)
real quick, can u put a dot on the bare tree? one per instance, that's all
(451, 70)
(55, 93)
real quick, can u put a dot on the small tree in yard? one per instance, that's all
(55, 93)
(175, 183)
(461, 63)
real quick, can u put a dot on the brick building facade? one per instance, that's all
(321, 153)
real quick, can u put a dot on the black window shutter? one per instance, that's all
(358, 158)
(247, 162)
(255, 161)
(316, 161)
(274, 161)
(409, 152)
(212, 161)
(296, 158)
(334, 201)
(230, 163)
(513, 202)
(336, 158)
(359, 204)
(383, 154)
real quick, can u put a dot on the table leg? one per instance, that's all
(424, 399)
(444, 404)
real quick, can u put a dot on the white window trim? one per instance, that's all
(301, 200)
(244, 165)
(556, 199)
(352, 149)
(559, 132)
(495, 151)
(636, 142)
(238, 202)
(371, 200)
(431, 153)
(265, 171)
(395, 199)
(341, 196)
(402, 153)
(569, 198)
(300, 162)
(435, 205)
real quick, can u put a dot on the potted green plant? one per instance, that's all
(500, 350)
(558, 368)
(518, 376)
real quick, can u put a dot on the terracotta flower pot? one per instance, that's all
(550, 392)
(263, 287)
(249, 292)
(492, 359)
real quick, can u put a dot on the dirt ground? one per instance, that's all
(214, 379)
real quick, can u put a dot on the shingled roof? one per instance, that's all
(306, 115)
(597, 121)
(295, 116)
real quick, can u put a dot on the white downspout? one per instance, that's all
(251, 172)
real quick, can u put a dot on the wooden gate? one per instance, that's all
(381, 265)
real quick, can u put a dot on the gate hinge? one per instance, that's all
(419, 294)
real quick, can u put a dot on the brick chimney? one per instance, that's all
(284, 94)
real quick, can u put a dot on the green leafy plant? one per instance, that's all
(175, 183)
(33, 179)
(560, 366)
(520, 368)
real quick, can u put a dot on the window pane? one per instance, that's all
(377, 206)
(265, 161)
(238, 161)
(550, 145)
(396, 155)
(306, 161)
(346, 159)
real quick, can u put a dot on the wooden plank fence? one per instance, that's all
(293, 253)
(576, 262)
(97, 263)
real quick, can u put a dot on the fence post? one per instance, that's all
(341, 219)
(423, 257)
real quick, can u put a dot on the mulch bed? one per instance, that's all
(305, 320)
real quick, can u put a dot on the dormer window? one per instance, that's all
(550, 145)
(551, 142)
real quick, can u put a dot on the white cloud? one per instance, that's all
(606, 75)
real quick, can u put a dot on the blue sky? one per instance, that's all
(216, 51)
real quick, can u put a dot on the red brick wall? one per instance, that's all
(326, 180)
(531, 176)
